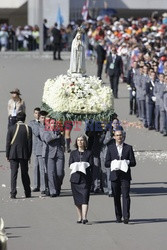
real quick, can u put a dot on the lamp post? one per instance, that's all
(40, 15)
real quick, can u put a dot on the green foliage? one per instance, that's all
(60, 116)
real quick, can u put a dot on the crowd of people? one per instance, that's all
(136, 50)
(90, 162)
(27, 38)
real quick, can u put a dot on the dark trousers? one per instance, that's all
(114, 80)
(157, 117)
(56, 48)
(14, 165)
(96, 173)
(151, 113)
(121, 186)
(99, 69)
(133, 104)
(11, 120)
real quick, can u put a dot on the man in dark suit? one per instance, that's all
(114, 68)
(120, 152)
(101, 55)
(18, 152)
(57, 37)
(132, 91)
(151, 100)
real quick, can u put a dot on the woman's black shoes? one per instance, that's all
(84, 221)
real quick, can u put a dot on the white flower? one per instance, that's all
(84, 95)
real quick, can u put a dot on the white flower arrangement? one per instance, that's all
(78, 95)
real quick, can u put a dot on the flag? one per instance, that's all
(105, 5)
(85, 10)
(59, 19)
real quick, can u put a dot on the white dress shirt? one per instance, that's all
(119, 149)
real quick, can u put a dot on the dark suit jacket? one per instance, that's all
(150, 92)
(127, 154)
(56, 35)
(22, 146)
(118, 66)
(101, 54)
(77, 177)
(130, 79)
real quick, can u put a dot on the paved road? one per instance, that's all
(43, 223)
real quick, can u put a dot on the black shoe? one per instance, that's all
(96, 191)
(36, 190)
(130, 112)
(13, 196)
(145, 125)
(54, 58)
(126, 221)
(47, 192)
(84, 221)
(118, 220)
(60, 59)
(79, 221)
(28, 195)
(53, 195)
(110, 195)
(42, 192)
(58, 192)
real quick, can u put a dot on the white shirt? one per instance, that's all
(153, 84)
(119, 149)
(113, 57)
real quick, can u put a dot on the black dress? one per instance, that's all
(81, 183)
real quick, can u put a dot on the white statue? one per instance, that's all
(77, 60)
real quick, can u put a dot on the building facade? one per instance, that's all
(22, 12)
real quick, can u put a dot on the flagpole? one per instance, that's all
(40, 14)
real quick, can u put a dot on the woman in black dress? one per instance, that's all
(80, 182)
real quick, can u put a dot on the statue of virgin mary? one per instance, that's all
(77, 59)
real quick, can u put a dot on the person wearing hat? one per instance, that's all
(15, 105)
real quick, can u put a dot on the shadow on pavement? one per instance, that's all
(131, 222)
(13, 237)
(152, 150)
(17, 227)
(148, 183)
(65, 194)
(24, 198)
(144, 221)
(10, 236)
(102, 222)
(148, 191)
